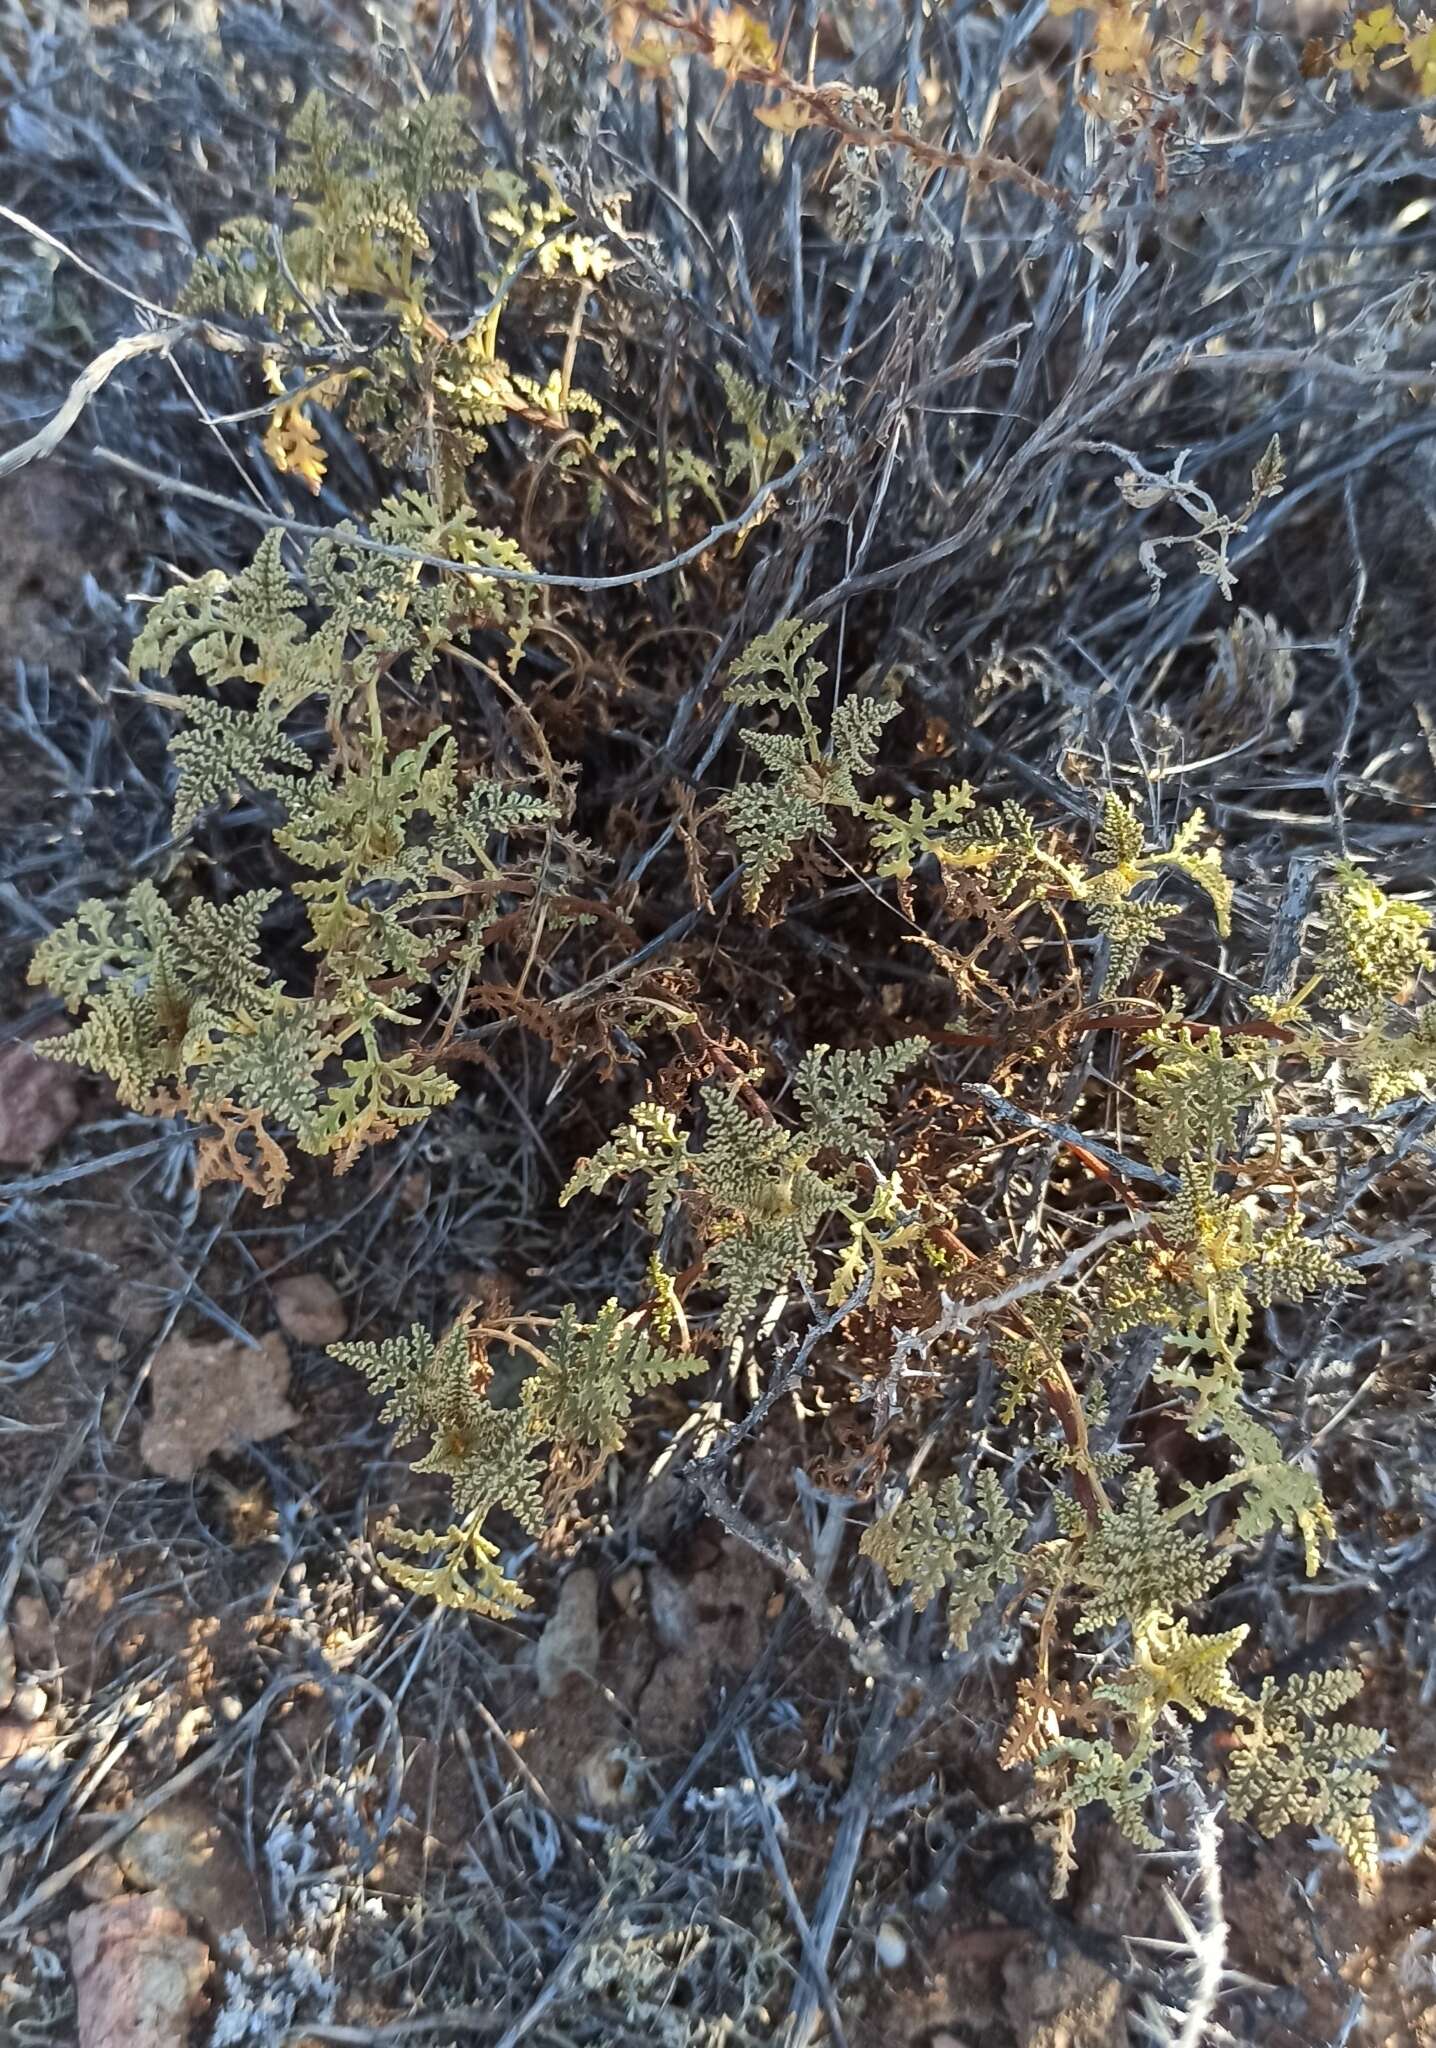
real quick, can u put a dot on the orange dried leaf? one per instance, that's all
(258, 1165)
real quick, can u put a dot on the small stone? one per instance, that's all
(213, 1397)
(671, 1606)
(29, 1703)
(56, 1569)
(7, 1667)
(891, 1945)
(39, 1102)
(102, 1880)
(195, 1858)
(568, 1646)
(309, 1309)
(228, 1707)
(139, 1975)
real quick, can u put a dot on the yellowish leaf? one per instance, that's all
(785, 117)
(292, 444)
(1182, 59)
(637, 41)
(740, 42)
(1420, 54)
(1370, 34)
(1122, 46)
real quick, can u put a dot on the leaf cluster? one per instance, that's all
(575, 1403)
(759, 1190)
(385, 849)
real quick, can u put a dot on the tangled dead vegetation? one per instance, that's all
(730, 818)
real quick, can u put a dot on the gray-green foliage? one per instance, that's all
(575, 1404)
(767, 1186)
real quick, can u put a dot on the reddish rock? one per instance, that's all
(39, 1103)
(139, 1974)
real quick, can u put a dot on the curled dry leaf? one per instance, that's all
(209, 1397)
(139, 1975)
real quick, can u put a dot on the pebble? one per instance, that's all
(891, 1945)
(102, 1880)
(568, 1647)
(138, 1974)
(310, 1309)
(190, 1856)
(32, 1634)
(29, 1703)
(671, 1606)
